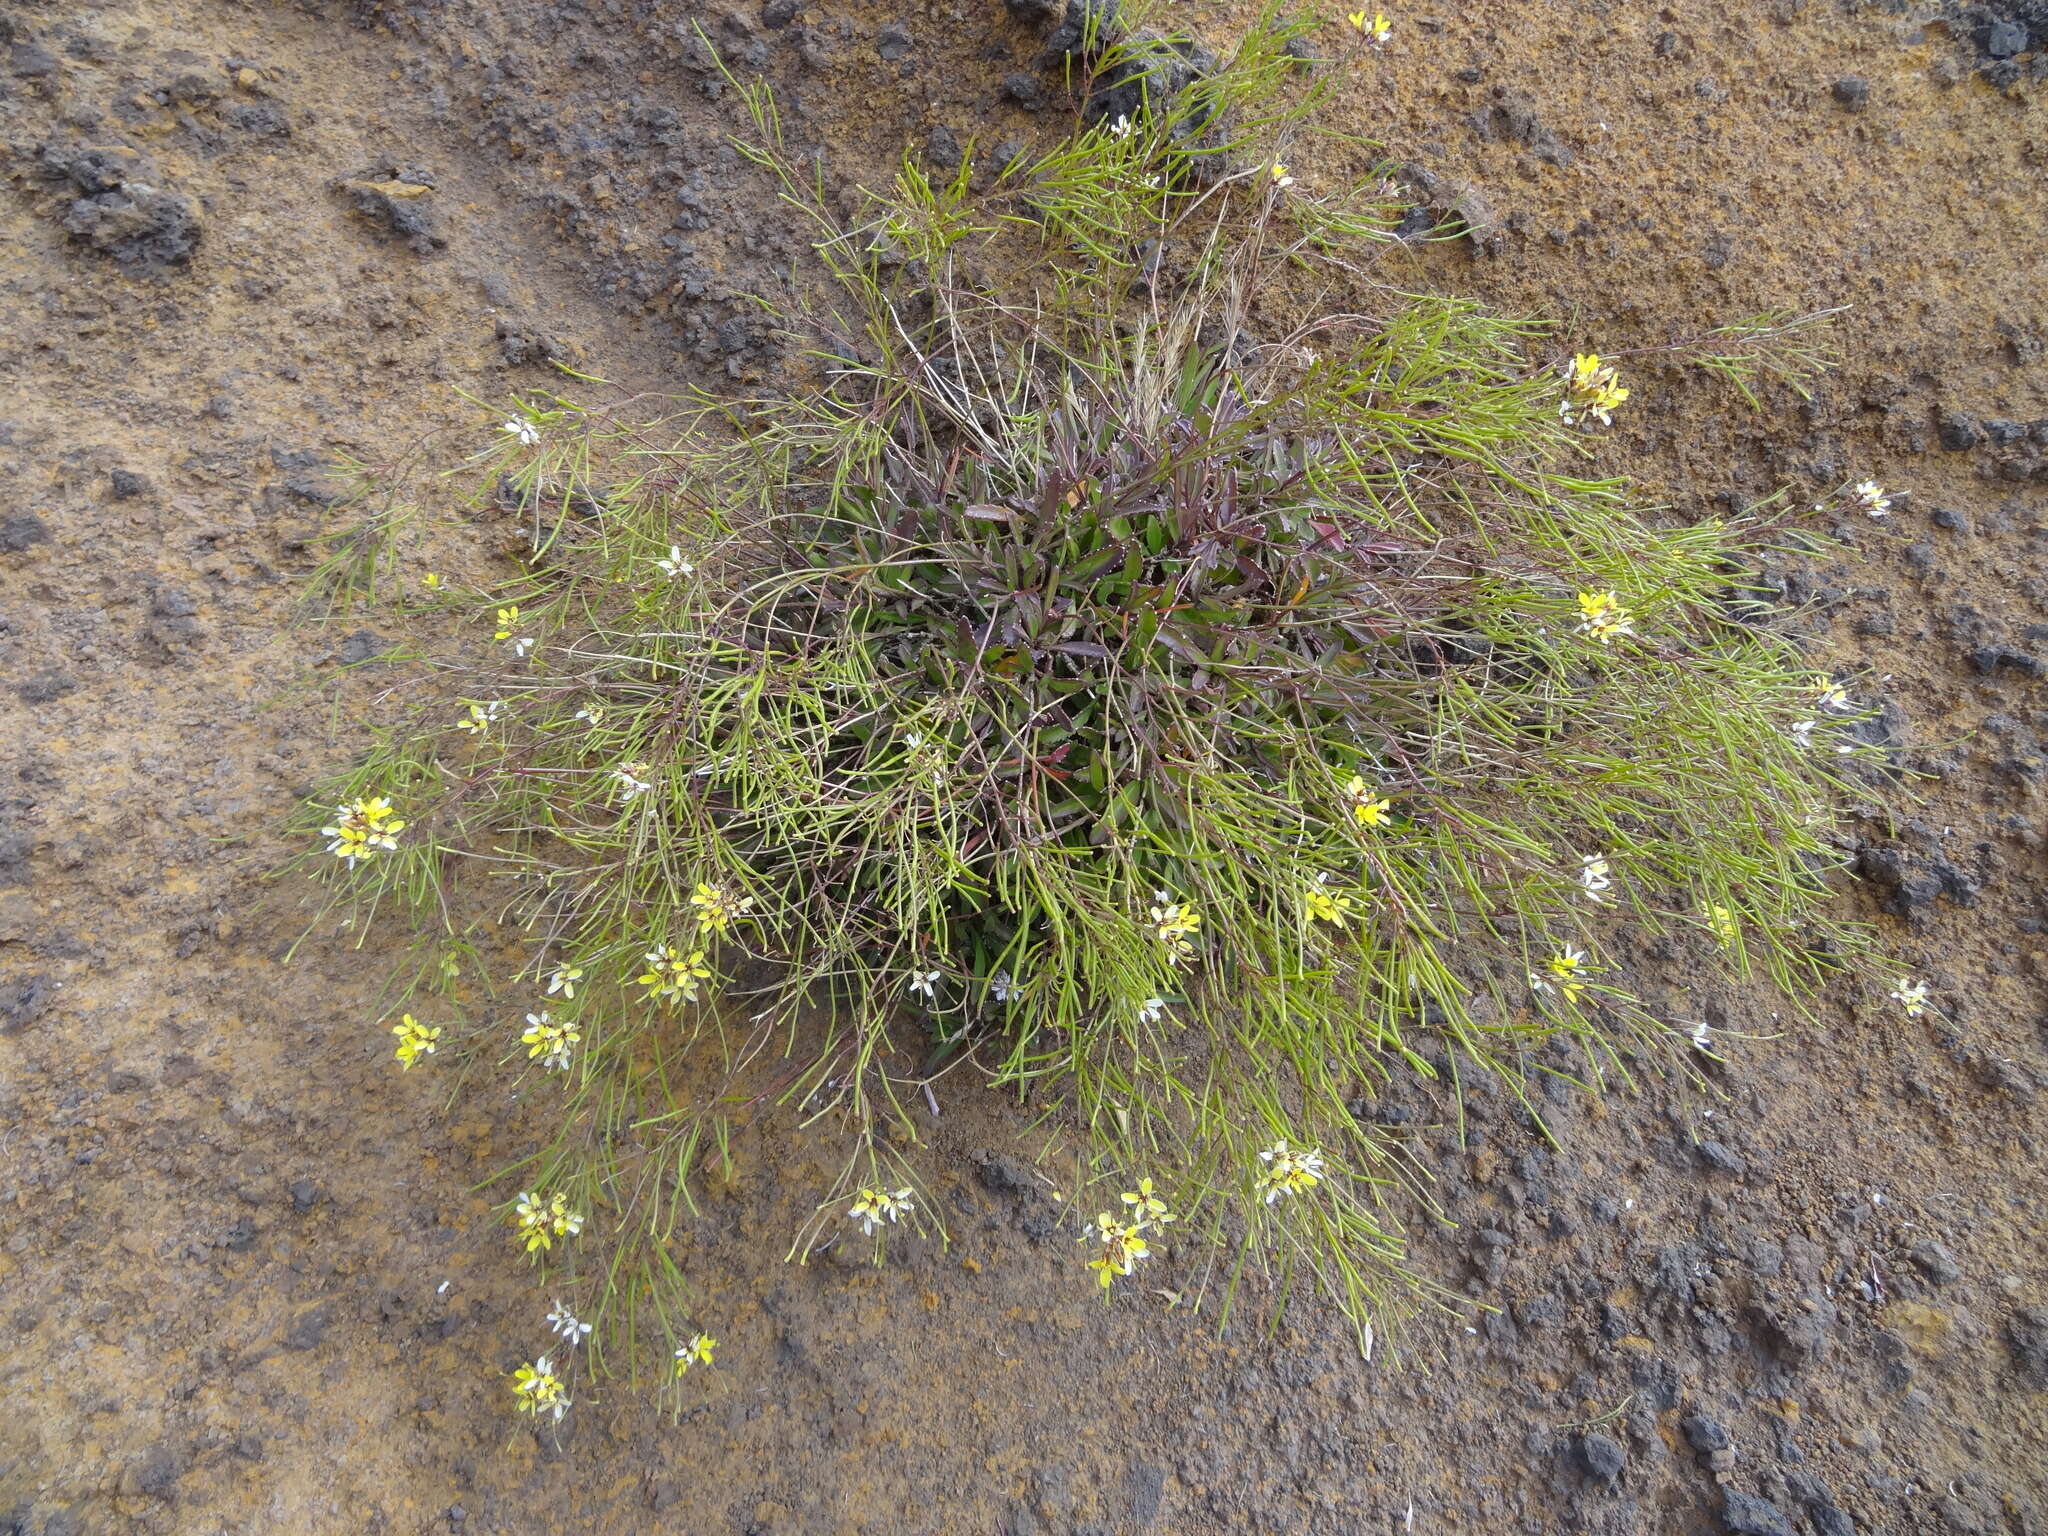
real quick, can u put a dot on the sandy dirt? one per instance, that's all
(246, 1281)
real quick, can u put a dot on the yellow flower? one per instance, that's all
(550, 1040)
(1280, 176)
(539, 1221)
(1721, 923)
(1567, 968)
(1368, 808)
(507, 617)
(1602, 617)
(1590, 389)
(1325, 905)
(671, 976)
(696, 1352)
(1174, 923)
(1122, 1247)
(716, 908)
(361, 828)
(872, 1207)
(1146, 1206)
(414, 1041)
(1373, 29)
(537, 1389)
(564, 981)
(431, 581)
(1289, 1170)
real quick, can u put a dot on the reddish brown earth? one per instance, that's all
(245, 1281)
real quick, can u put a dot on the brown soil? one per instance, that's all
(245, 1280)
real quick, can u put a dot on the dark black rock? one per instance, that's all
(1951, 519)
(28, 998)
(1144, 1486)
(2004, 433)
(1034, 13)
(2026, 1335)
(1714, 1155)
(942, 148)
(1936, 1262)
(2004, 658)
(1747, 1515)
(1602, 1457)
(362, 646)
(1958, 431)
(1852, 92)
(157, 1474)
(893, 42)
(21, 530)
(140, 225)
(1024, 90)
(308, 1328)
(396, 201)
(305, 1195)
(31, 61)
(1086, 28)
(777, 14)
(1704, 1434)
(1149, 72)
(173, 603)
(45, 687)
(127, 484)
(2003, 39)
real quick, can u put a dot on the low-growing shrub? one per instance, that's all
(1116, 669)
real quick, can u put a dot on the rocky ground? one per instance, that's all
(245, 1282)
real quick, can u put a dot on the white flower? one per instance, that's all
(631, 785)
(1802, 733)
(1152, 1010)
(1594, 877)
(522, 429)
(1910, 995)
(1869, 497)
(592, 714)
(874, 1206)
(1280, 176)
(1700, 1037)
(1833, 697)
(1122, 129)
(924, 982)
(675, 564)
(523, 647)
(564, 1325)
(564, 981)
(1001, 987)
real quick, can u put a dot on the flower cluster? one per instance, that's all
(717, 907)
(672, 976)
(872, 1207)
(1590, 389)
(540, 1220)
(1375, 28)
(1910, 995)
(361, 828)
(1869, 498)
(1368, 807)
(478, 718)
(697, 1351)
(566, 1326)
(414, 1041)
(1122, 1245)
(538, 1390)
(1567, 970)
(549, 1041)
(1289, 1171)
(1324, 904)
(1594, 877)
(1175, 924)
(1602, 617)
